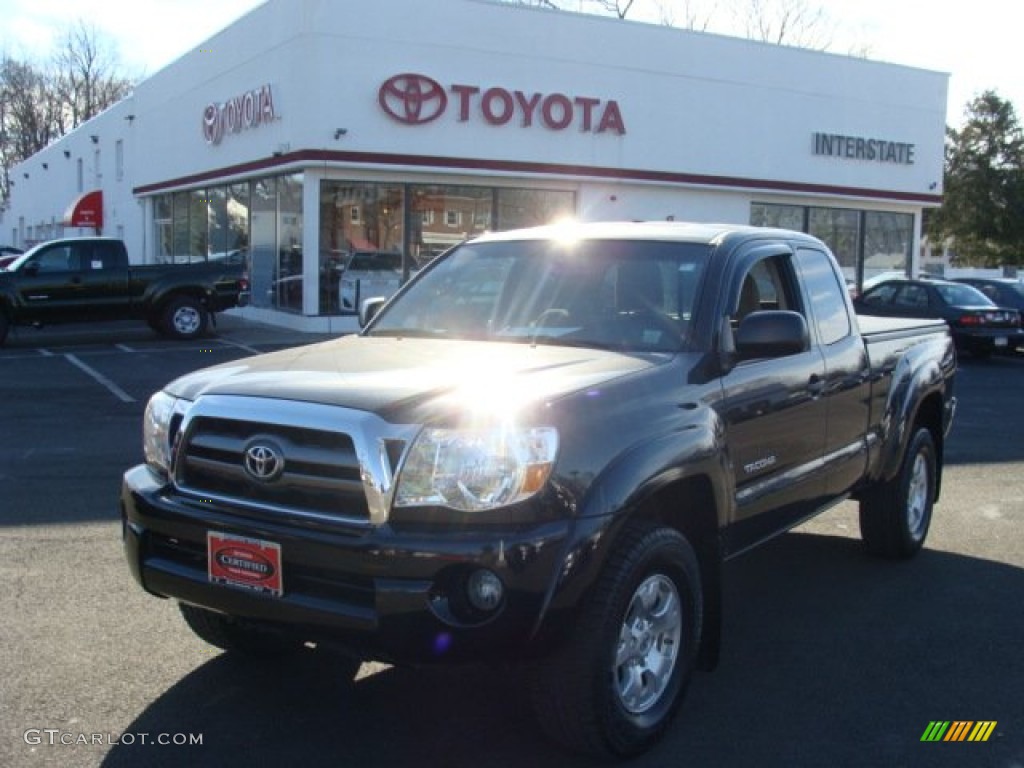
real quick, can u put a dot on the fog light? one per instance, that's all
(484, 590)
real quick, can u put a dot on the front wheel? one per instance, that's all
(185, 317)
(615, 684)
(895, 516)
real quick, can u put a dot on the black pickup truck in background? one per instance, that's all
(541, 451)
(90, 279)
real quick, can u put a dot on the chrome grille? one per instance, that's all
(321, 462)
(321, 470)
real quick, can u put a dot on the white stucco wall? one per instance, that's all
(711, 122)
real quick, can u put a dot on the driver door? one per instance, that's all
(50, 283)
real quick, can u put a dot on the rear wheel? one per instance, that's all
(184, 317)
(614, 686)
(895, 516)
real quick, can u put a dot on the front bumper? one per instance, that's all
(387, 594)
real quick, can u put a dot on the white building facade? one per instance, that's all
(310, 129)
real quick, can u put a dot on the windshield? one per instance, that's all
(372, 261)
(628, 295)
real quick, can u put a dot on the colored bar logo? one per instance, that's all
(959, 730)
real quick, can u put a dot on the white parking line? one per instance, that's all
(121, 395)
(241, 346)
(124, 347)
(45, 352)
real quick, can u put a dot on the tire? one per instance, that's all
(184, 317)
(613, 687)
(895, 516)
(5, 326)
(235, 636)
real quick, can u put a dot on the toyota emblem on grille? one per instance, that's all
(264, 461)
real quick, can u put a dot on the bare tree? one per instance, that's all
(39, 104)
(685, 14)
(29, 114)
(86, 75)
(619, 7)
(797, 23)
(538, 4)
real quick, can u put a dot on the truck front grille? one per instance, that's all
(272, 466)
(275, 458)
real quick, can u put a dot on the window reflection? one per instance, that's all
(355, 218)
(261, 222)
(881, 244)
(289, 277)
(443, 216)
(888, 239)
(533, 207)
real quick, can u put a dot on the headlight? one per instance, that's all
(474, 470)
(156, 429)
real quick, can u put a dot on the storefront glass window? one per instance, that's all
(288, 283)
(355, 217)
(418, 221)
(237, 208)
(533, 207)
(882, 243)
(180, 245)
(218, 218)
(201, 224)
(839, 228)
(162, 224)
(263, 223)
(443, 216)
(780, 216)
(198, 225)
(888, 239)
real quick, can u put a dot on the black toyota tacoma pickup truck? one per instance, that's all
(541, 451)
(89, 279)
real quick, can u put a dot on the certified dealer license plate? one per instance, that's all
(242, 562)
(1001, 341)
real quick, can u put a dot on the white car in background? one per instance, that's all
(368, 275)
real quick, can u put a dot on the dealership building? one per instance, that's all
(308, 130)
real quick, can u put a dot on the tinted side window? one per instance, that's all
(766, 285)
(881, 295)
(57, 259)
(827, 294)
(913, 297)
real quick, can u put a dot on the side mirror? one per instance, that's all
(773, 333)
(370, 309)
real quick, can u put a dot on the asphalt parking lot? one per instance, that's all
(830, 658)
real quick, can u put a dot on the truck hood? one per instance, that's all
(394, 377)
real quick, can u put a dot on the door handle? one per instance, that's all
(815, 385)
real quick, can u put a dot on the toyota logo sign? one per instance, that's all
(415, 99)
(264, 461)
(412, 99)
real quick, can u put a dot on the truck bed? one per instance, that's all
(876, 328)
